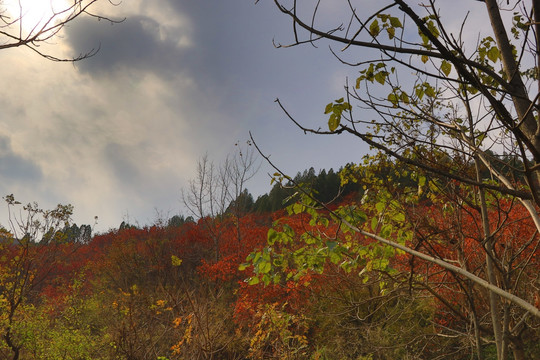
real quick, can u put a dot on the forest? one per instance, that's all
(259, 283)
(426, 247)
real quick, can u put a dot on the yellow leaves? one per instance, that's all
(259, 335)
(175, 260)
(177, 321)
(133, 290)
(159, 307)
(187, 337)
(176, 348)
(280, 333)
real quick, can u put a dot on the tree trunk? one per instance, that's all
(517, 350)
(519, 93)
(490, 270)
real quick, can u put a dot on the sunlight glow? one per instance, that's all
(30, 17)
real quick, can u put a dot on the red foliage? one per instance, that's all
(456, 235)
(238, 240)
(132, 255)
(292, 296)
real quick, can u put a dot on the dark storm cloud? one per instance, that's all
(233, 41)
(230, 44)
(16, 167)
(139, 42)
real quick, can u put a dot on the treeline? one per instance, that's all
(326, 186)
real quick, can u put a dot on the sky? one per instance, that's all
(118, 135)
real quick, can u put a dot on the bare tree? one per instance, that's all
(215, 190)
(34, 25)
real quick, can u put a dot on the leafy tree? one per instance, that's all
(327, 186)
(243, 204)
(442, 125)
(276, 198)
(124, 225)
(177, 221)
(262, 204)
(76, 234)
(30, 253)
(71, 326)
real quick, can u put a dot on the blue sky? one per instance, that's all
(118, 135)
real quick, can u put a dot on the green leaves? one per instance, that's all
(263, 268)
(446, 67)
(393, 98)
(488, 50)
(424, 88)
(272, 236)
(493, 54)
(519, 24)
(397, 96)
(374, 28)
(333, 122)
(432, 30)
(321, 238)
(388, 23)
(395, 22)
(375, 72)
(336, 110)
